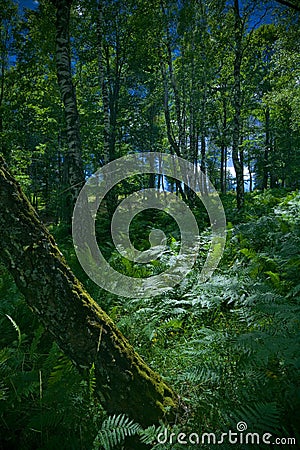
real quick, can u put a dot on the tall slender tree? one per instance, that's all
(8, 20)
(237, 105)
(73, 157)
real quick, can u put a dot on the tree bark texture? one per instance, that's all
(73, 157)
(82, 330)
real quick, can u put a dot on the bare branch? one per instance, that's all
(289, 4)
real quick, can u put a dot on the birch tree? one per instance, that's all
(73, 157)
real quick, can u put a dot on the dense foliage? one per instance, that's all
(217, 83)
(229, 346)
(183, 78)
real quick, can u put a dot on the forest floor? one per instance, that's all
(229, 346)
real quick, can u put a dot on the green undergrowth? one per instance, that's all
(230, 346)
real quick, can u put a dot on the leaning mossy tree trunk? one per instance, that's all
(84, 332)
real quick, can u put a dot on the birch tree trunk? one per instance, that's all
(82, 330)
(73, 158)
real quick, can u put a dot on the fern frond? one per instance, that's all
(260, 417)
(92, 380)
(64, 366)
(114, 430)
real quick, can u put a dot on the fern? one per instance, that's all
(92, 381)
(230, 347)
(64, 366)
(149, 435)
(260, 417)
(114, 430)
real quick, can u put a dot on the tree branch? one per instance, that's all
(289, 4)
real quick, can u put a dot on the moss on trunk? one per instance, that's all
(83, 331)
